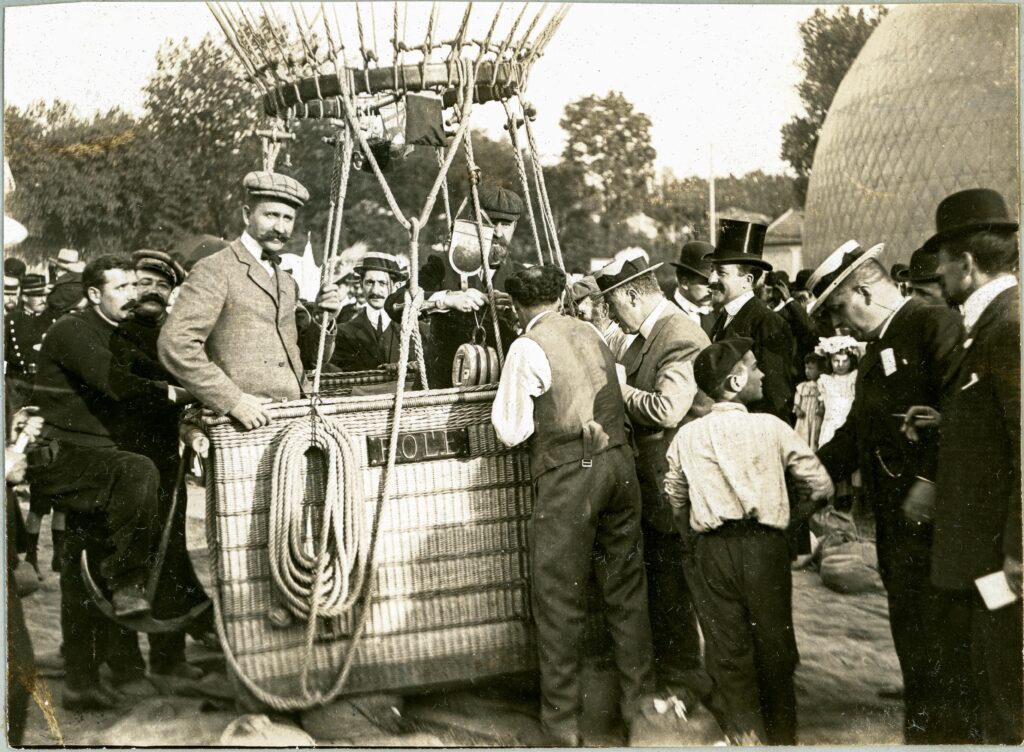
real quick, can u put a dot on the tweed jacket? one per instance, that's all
(978, 494)
(233, 330)
(903, 368)
(659, 398)
(774, 349)
(356, 347)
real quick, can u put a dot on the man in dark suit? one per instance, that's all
(692, 294)
(922, 278)
(977, 508)
(909, 345)
(371, 339)
(737, 266)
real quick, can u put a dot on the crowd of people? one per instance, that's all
(677, 442)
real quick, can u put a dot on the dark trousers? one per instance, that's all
(21, 666)
(120, 489)
(744, 596)
(939, 704)
(674, 628)
(586, 518)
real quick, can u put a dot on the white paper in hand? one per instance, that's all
(620, 371)
(995, 590)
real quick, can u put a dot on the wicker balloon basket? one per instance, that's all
(450, 599)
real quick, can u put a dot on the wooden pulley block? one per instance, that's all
(475, 365)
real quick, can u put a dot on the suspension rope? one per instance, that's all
(523, 181)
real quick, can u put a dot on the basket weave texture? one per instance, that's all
(450, 600)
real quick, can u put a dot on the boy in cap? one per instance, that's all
(726, 483)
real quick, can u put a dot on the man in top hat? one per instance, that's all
(977, 507)
(922, 278)
(459, 312)
(240, 296)
(371, 339)
(151, 429)
(692, 294)
(737, 265)
(12, 293)
(908, 350)
(660, 395)
(559, 392)
(593, 308)
(25, 328)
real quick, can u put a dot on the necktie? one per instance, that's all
(716, 330)
(272, 257)
(379, 328)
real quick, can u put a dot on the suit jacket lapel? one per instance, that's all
(990, 314)
(256, 271)
(873, 354)
(638, 354)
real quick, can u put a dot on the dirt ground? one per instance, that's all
(846, 655)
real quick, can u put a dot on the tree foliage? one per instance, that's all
(832, 40)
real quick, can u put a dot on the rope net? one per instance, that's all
(354, 64)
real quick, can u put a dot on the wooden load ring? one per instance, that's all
(475, 365)
(319, 96)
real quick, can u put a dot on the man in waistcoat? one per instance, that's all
(559, 392)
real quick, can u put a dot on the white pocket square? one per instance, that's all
(973, 380)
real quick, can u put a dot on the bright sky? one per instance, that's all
(721, 75)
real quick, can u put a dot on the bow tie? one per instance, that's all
(271, 256)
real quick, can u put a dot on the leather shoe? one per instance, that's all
(90, 698)
(130, 601)
(180, 670)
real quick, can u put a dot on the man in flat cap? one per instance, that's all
(908, 351)
(737, 267)
(692, 295)
(726, 482)
(151, 429)
(593, 308)
(371, 339)
(239, 297)
(559, 394)
(458, 312)
(660, 395)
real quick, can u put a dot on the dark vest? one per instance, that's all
(582, 414)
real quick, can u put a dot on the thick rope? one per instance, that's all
(545, 202)
(513, 136)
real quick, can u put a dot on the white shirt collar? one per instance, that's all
(252, 246)
(690, 308)
(722, 407)
(885, 326)
(373, 314)
(535, 319)
(733, 307)
(981, 298)
(652, 318)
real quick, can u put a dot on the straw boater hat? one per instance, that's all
(740, 242)
(692, 258)
(625, 268)
(834, 270)
(969, 211)
(380, 262)
(69, 260)
(276, 187)
(160, 262)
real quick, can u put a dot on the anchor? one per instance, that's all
(146, 622)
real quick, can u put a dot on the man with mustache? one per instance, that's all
(108, 494)
(232, 338)
(12, 293)
(151, 429)
(692, 295)
(371, 339)
(737, 265)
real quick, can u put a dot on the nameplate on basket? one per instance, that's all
(419, 446)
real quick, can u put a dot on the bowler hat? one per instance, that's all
(500, 204)
(380, 262)
(691, 258)
(624, 269)
(275, 187)
(924, 267)
(834, 270)
(800, 283)
(33, 284)
(740, 242)
(160, 262)
(969, 211)
(716, 361)
(14, 267)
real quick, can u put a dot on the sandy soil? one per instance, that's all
(846, 654)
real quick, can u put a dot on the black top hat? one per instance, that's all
(969, 211)
(740, 242)
(924, 265)
(691, 258)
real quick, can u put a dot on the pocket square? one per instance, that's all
(971, 382)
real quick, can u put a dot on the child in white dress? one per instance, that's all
(836, 392)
